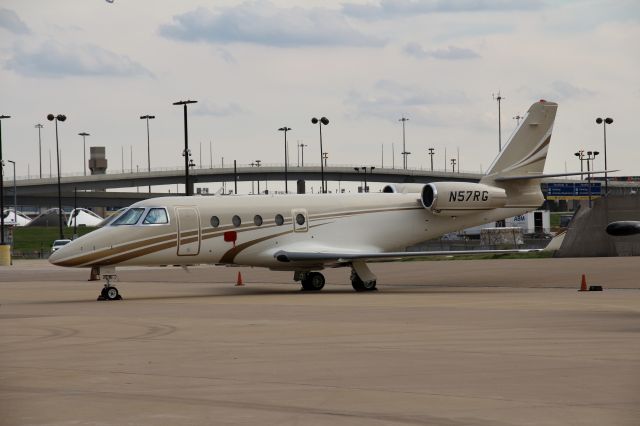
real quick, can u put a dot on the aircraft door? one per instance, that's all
(300, 220)
(188, 231)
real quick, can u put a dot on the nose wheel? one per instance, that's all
(109, 291)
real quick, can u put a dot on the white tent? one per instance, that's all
(83, 217)
(10, 218)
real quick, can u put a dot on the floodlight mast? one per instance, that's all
(186, 153)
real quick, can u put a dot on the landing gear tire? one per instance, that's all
(314, 281)
(109, 293)
(359, 285)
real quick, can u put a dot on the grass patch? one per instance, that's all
(35, 239)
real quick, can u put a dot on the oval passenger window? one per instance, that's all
(215, 221)
(279, 219)
(257, 219)
(236, 221)
(300, 219)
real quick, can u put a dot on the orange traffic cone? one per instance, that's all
(583, 284)
(239, 280)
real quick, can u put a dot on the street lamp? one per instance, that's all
(285, 129)
(404, 148)
(302, 145)
(580, 155)
(39, 127)
(453, 164)
(431, 153)
(604, 123)
(2, 117)
(148, 117)
(258, 165)
(56, 118)
(364, 169)
(320, 122)
(357, 169)
(591, 155)
(84, 151)
(186, 153)
(405, 154)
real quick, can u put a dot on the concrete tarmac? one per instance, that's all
(495, 342)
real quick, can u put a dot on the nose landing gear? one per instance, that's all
(109, 291)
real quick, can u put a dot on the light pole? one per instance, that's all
(499, 98)
(357, 169)
(518, 118)
(302, 145)
(604, 123)
(15, 196)
(591, 155)
(364, 169)
(2, 117)
(56, 118)
(453, 164)
(580, 155)
(148, 117)
(285, 129)
(405, 154)
(320, 122)
(39, 127)
(186, 153)
(84, 151)
(431, 153)
(258, 165)
(404, 147)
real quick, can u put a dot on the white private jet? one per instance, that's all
(307, 233)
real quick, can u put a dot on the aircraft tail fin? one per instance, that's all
(526, 151)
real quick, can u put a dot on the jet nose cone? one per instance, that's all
(55, 257)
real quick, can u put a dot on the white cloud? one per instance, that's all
(387, 9)
(559, 91)
(53, 59)
(450, 53)
(10, 21)
(265, 24)
(388, 100)
(216, 110)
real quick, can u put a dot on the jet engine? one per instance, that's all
(403, 188)
(459, 198)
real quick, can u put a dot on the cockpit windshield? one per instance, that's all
(156, 216)
(129, 217)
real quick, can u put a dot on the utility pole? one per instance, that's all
(186, 153)
(148, 117)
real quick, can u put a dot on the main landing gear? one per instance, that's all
(109, 291)
(362, 279)
(311, 281)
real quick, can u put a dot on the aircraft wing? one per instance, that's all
(346, 257)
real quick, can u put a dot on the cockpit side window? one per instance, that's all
(129, 217)
(156, 216)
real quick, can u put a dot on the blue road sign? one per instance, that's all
(573, 189)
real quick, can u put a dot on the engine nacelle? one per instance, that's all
(403, 188)
(460, 198)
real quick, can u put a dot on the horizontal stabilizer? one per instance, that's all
(623, 228)
(296, 256)
(543, 176)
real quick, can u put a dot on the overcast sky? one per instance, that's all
(255, 66)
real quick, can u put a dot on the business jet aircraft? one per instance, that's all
(307, 233)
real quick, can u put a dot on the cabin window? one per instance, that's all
(156, 216)
(257, 219)
(236, 221)
(300, 219)
(129, 217)
(215, 221)
(279, 220)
